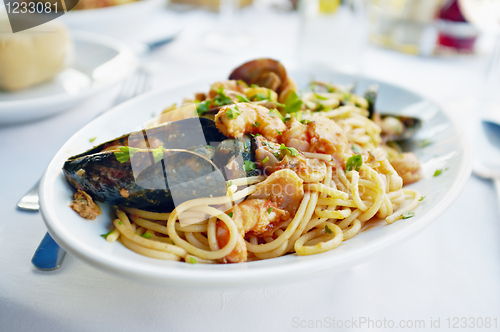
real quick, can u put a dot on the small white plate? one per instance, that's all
(80, 237)
(99, 63)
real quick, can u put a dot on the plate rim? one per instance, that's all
(232, 275)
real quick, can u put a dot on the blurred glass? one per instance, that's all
(332, 34)
(455, 32)
(404, 25)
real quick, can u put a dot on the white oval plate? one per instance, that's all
(99, 63)
(81, 238)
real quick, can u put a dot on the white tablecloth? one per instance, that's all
(452, 269)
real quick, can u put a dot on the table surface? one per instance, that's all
(449, 270)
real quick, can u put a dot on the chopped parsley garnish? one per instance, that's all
(354, 163)
(277, 154)
(192, 260)
(256, 124)
(293, 103)
(421, 198)
(320, 108)
(253, 135)
(275, 113)
(259, 97)
(230, 214)
(233, 113)
(438, 172)
(270, 210)
(319, 97)
(242, 99)
(328, 230)
(356, 149)
(249, 166)
(158, 154)
(245, 144)
(266, 159)
(306, 122)
(108, 233)
(408, 214)
(203, 107)
(120, 222)
(293, 151)
(125, 153)
(230, 183)
(347, 96)
(146, 235)
(287, 117)
(221, 99)
(254, 86)
(92, 139)
(279, 132)
(425, 142)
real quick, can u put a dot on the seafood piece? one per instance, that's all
(284, 188)
(322, 135)
(408, 167)
(139, 179)
(235, 157)
(254, 216)
(85, 206)
(266, 73)
(244, 118)
(397, 127)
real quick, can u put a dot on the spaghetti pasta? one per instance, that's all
(330, 171)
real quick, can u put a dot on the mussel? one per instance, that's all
(267, 73)
(394, 127)
(159, 168)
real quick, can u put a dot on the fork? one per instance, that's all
(49, 256)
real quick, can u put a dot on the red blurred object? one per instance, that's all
(454, 30)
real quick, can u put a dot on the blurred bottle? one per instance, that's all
(455, 33)
(404, 25)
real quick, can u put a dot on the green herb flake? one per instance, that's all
(230, 183)
(158, 154)
(354, 163)
(221, 99)
(92, 139)
(249, 166)
(125, 153)
(120, 222)
(305, 122)
(437, 172)
(293, 151)
(320, 108)
(108, 233)
(293, 103)
(266, 159)
(275, 113)
(356, 149)
(242, 99)
(421, 198)
(203, 107)
(408, 214)
(279, 132)
(277, 154)
(328, 230)
(146, 235)
(425, 142)
(233, 113)
(347, 96)
(230, 214)
(256, 124)
(270, 210)
(319, 97)
(254, 86)
(245, 145)
(192, 260)
(253, 135)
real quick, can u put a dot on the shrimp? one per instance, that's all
(257, 216)
(237, 120)
(322, 135)
(275, 200)
(408, 167)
